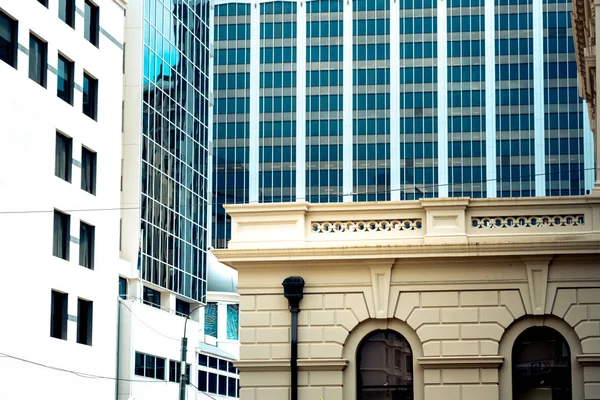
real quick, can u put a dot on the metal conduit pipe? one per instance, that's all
(293, 288)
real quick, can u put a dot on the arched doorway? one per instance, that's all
(541, 365)
(385, 367)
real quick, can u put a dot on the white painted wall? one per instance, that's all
(30, 116)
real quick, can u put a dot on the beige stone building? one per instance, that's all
(431, 299)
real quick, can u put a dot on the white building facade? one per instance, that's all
(60, 140)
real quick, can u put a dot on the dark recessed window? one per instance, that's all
(86, 245)
(175, 371)
(65, 84)
(8, 40)
(222, 385)
(149, 366)
(58, 315)
(63, 157)
(232, 387)
(85, 316)
(182, 307)
(90, 96)
(62, 235)
(88, 170)
(66, 12)
(212, 383)
(91, 23)
(38, 59)
(202, 386)
(123, 288)
(152, 297)
(202, 359)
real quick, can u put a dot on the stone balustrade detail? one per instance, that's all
(367, 226)
(528, 221)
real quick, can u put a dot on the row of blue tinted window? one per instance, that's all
(466, 98)
(232, 153)
(514, 122)
(324, 177)
(324, 103)
(514, 47)
(278, 55)
(277, 154)
(466, 23)
(324, 152)
(559, 45)
(514, 72)
(514, 97)
(361, 52)
(277, 129)
(277, 30)
(466, 48)
(554, 19)
(240, 80)
(324, 28)
(419, 74)
(371, 151)
(371, 26)
(324, 53)
(466, 148)
(372, 126)
(371, 76)
(467, 73)
(277, 104)
(232, 56)
(371, 5)
(278, 7)
(332, 127)
(474, 123)
(564, 146)
(324, 6)
(232, 9)
(232, 32)
(417, 4)
(232, 105)
(380, 101)
(278, 179)
(231, 180)
(325, 78)
(570, 120)
(418, 25)
(419, 100)
(418, 125)
(466, 174)
(466, 3)
(418, 50)
(277, 79)
(563, 95)
(521, 147)
(563, 69)
(231, 130)
(514, 21)
(515, 172)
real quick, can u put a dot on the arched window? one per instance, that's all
(541, 365)
(385, 367)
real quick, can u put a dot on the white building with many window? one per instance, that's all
(60, 142)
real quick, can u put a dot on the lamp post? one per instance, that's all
(293, 288)
(183, 378)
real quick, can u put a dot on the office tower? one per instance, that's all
(330, 101)
(60, 140)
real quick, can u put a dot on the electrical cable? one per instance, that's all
(420, 188)
(149, 327)
(196, 387)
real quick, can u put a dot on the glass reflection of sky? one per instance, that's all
(167, 55)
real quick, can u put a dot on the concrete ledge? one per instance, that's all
(284, 365)
(460, 362)
(589, 360)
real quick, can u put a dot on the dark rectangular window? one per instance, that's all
(175, 371)
(232, 387)
(65, 84)
(62, 235)
(85, 316)
(38, 59)
(182, 307)
(86, 245)
(202, 381)
(8, 40)
(63, 157)
(123, 288)
(66, 12)
(90, 96)
(212, 383)
(149, 366)
(152, 297)
(222, 385)
(58, 315)
(88, 170)
(91, 23)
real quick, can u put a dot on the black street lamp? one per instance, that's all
(293, 288)
(183, 378)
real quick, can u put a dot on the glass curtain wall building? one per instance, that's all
(382, 100)
(174, 141)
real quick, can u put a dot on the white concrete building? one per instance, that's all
(60, 141)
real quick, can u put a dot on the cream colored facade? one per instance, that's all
(460, 279)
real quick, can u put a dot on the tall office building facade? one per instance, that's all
(331, 101)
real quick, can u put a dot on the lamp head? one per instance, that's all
(293, 290)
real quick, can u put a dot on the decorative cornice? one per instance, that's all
(461, 362)
(589, 360)
(325, 364)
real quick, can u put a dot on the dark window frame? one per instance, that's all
(59, 314)
(39, 68)
(69, 80)
(87, 236)
(11, 46)
(148, 293)
(85, 318)
(65, 162)
(148, 365)
(123, 288)
(61, 235)
(91, 27)
(69, 17)
(89, 162)
(90, 96)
